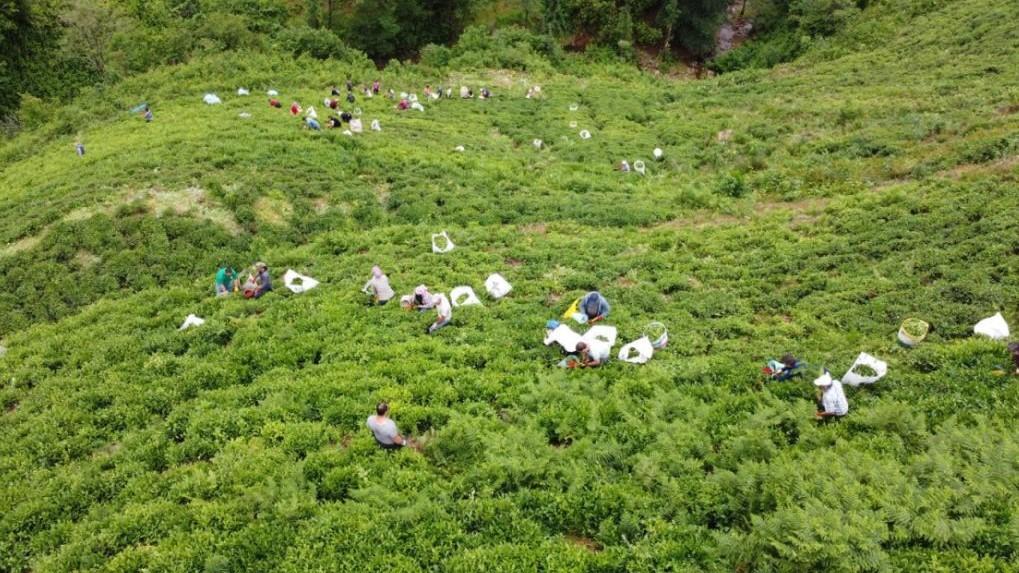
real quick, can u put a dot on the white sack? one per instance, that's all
(600, 333)
(880, 369)
(272, 93)
(291, 278)
(435, 246)
(417, 106)
(190, 321)
(497, 286)
(463, 296)
(459, 148)
(585, 134)
(564, 336)
(311, 112)
(537, 143)
(356, 126)
(211, 99)
(376, 126)
(994, 327)
(242, 92)
(638, 166)
(657, 153)
(637, 352)
(574, 107)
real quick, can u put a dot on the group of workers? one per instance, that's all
(591, 308)
(258, 283)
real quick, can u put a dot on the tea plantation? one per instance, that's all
(809, 208)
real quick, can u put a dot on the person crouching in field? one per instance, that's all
(259, 283)
(831, 400)
(226, 280)
(594, 306)
(387, 435)
(443, 312)
(591, 357)
(378, 287)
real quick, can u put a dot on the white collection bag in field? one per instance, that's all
(637, 352)
(243, 92)
(600, 333)
(298, 283)
(311, 112)
(537, 143)
(190, 321)
(272, 93)
(657, 334)
(356, 126)
(657, 153)
(417, 106)
(994, 327)
(446, 244)
(212, 99)
(854, 378)
(463, 296)
(585, 134)
(497, 286)
(563, 336)
(376, 126)
(639, 167)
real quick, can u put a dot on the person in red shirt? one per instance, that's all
(275, 103)
(295, 109)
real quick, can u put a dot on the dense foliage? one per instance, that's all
(810, 209)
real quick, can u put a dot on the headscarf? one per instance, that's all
(421, 291)
(376, 272)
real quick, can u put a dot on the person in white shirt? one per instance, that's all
(591, 356)
(384, 429)
(831, 399)
(378, 287)
(444, 313)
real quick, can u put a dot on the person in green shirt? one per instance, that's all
(226, 280)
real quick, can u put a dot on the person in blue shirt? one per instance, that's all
(259, 284)
(594, 306)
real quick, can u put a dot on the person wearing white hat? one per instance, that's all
(831, 400)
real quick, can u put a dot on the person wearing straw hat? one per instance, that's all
(831, 399)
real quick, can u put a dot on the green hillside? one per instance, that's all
(809, 208)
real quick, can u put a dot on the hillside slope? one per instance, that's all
(873, 180)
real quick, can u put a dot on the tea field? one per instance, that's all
(809, 208)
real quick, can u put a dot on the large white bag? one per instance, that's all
(298, 283)
(356, 126)
(994, 327)
(600, 333)
(190, 321)
(211, 99)
(242, 92)
(564, 336)
(497, 286)
(463, 296)
(880, 369)
(637, 352)
(445, 249)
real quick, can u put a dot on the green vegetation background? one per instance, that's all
(871, 180)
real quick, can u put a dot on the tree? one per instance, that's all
(88, 27)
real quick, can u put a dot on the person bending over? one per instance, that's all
(384, 429)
